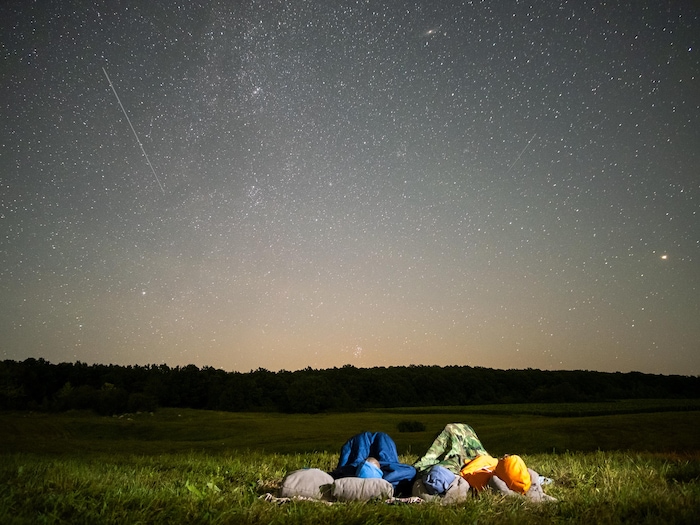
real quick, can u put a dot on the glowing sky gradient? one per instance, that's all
(498, 184)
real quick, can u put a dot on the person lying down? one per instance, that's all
(457, 463)
(455, 466)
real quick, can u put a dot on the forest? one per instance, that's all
(38, 385)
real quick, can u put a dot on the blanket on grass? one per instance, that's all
(389, 501)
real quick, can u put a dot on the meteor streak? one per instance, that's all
(521, 153)
(134, 131)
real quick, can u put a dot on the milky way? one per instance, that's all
(498, 184)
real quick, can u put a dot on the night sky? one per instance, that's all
(506, 184)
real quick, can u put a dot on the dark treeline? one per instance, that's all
(35, 384)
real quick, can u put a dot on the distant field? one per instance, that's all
(653, 426)
(632, 462)
(625, 406)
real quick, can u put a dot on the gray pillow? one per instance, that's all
(457, 492)
(419, 491)
(361, 489)
(309, 483)
(535, 493)
(499, 485)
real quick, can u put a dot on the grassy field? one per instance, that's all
(633, 462)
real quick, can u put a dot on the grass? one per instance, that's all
(623, 406)
(186, 466)
(173, 430)
(203, 488)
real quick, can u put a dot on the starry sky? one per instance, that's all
(314, 183)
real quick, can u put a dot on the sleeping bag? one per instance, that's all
(380, 446)
(455, 445)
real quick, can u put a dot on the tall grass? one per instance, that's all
(211, 468)
(198, 487)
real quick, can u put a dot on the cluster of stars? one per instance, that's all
(373, 182)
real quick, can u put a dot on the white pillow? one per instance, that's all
(309, 483)
(361, 489)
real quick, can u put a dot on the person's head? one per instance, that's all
(512, 470)
(369, 468)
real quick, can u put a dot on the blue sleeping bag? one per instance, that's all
(381, 447)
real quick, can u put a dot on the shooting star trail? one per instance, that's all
(134, 131)
(521, 153)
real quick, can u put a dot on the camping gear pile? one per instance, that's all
(455, 466)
